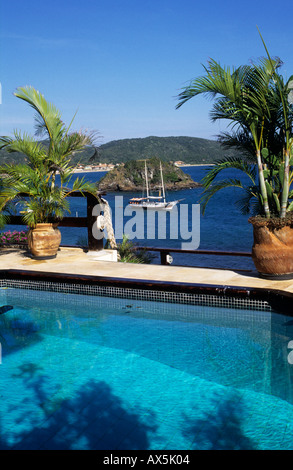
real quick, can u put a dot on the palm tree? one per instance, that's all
(34, 184)
(254, 100)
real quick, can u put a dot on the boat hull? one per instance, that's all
(155, 206)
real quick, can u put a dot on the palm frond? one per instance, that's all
(249, 202)
(47, 118)
(210, 191)
(240, 140)
(234, 163)
(217, 81)
(23, 144)
(34, 185)
(83, 186)
(3, 219)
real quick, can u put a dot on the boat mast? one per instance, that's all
(146, 178)
(162, 182)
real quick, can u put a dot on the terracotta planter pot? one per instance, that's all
(44, 241)
(272, 250)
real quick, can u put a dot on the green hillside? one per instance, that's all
(88, 155)
(187, 149)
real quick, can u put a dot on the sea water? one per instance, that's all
(222, 227)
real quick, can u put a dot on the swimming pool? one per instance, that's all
(97, 372)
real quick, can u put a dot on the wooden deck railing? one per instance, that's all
(94, 244)
(164, 252)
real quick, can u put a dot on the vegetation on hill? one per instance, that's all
(190, 150)
(131, 177)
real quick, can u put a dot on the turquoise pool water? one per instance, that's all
(86, 372)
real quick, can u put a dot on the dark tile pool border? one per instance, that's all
(172, 292)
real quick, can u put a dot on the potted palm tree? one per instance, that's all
(41, 186)
(256, 101)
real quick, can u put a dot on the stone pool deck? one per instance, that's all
(74, 261)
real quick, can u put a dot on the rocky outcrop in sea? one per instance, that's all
(131, 177)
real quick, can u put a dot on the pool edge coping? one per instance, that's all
(279, 300)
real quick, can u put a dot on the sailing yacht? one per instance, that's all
(153, 202)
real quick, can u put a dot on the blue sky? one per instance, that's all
(121, 63)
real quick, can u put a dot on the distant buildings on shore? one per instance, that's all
(109, 166)
(96, 167)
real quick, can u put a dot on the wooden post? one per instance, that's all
(164, 255)
(93, 243)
